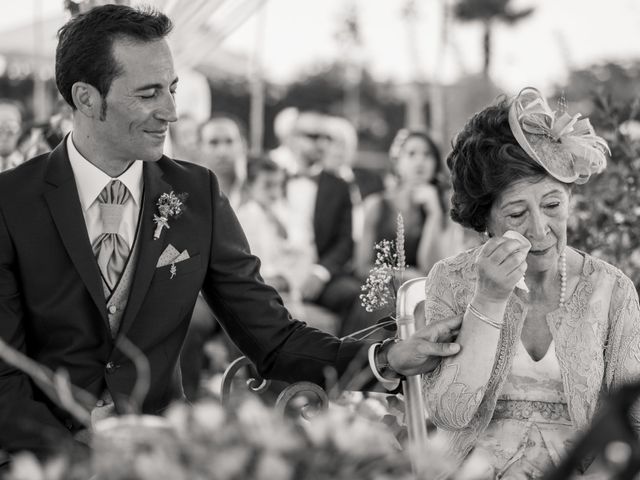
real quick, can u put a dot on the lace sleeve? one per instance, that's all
(454, 390)
(623, 349)
(438, 295)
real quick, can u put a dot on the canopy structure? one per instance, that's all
(200, 26)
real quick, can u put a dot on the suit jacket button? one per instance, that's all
(111, 367)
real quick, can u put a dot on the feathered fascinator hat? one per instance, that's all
(565, 146)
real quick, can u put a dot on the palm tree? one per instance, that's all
(488, 12)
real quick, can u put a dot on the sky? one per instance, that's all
(300, 34)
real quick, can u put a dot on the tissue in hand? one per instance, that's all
(516, 236)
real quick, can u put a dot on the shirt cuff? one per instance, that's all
(386, 383)
(321, 272)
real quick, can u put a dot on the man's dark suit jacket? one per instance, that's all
(52, 305)
(332, 223)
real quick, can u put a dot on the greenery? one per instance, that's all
(488, 12)
(606, 215)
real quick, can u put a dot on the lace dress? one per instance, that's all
(522, 420)
(531, 427)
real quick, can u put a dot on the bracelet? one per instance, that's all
(480, 316)
(381, 367)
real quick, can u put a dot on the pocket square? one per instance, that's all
(171, 256)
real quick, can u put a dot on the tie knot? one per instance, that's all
(115, 192)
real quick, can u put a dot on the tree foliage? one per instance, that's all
(605, 221)
(488, 12)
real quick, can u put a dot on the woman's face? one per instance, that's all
(267, 188)
(538, 210)
(416, 162)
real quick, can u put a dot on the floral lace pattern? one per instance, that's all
(597, 334)
(527, 410)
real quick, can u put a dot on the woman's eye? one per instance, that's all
(516, 215)
(553, 205)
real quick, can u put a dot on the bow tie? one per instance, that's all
(309, 176)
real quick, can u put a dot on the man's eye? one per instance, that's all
(148, 95)
(553, 205)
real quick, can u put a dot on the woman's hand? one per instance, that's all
(426, 195)
(501, 264)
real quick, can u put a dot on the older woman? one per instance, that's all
(534, 363)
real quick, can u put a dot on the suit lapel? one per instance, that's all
(149, 249)
(66, 211)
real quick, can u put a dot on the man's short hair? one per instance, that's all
(84, 52)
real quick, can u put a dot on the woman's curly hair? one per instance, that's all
(485, 160)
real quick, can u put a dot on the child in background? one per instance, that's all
(263, 217)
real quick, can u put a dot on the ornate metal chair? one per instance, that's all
(307, 397)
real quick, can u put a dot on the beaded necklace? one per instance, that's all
(563, 277)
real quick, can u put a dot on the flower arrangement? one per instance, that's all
(169, 206)
(386, 276)
(208, 442)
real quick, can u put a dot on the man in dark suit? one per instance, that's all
(321, 208)
(97, 243)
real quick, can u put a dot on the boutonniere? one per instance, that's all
(169, 205)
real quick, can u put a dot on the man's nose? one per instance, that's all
(167, 111)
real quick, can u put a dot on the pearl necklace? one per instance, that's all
(563, 277)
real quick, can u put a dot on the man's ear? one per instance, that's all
(87, 99)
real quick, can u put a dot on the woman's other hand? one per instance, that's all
(426, 195)
(501, 264)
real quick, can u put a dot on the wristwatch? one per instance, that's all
(382, 362)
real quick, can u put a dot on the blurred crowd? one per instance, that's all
(311, 210)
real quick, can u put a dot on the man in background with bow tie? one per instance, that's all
(105, 238)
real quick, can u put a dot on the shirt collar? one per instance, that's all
(90, 180)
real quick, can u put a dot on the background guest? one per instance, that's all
(284, 125)
(263, 217)
(224, 151)
(320, 220)
(417, 195)
(284, 265)
(185, 138)
(11, 119)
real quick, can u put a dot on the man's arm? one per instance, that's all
(253, 315)
(25, 424)
(281, 348)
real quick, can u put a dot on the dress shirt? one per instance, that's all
(302, 192)
(301, 203)
(90, 181)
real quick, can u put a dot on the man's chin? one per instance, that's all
(151, 155)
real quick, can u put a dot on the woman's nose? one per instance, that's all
(537, 227)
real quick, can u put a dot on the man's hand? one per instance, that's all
(422, 351)
(312, 287)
